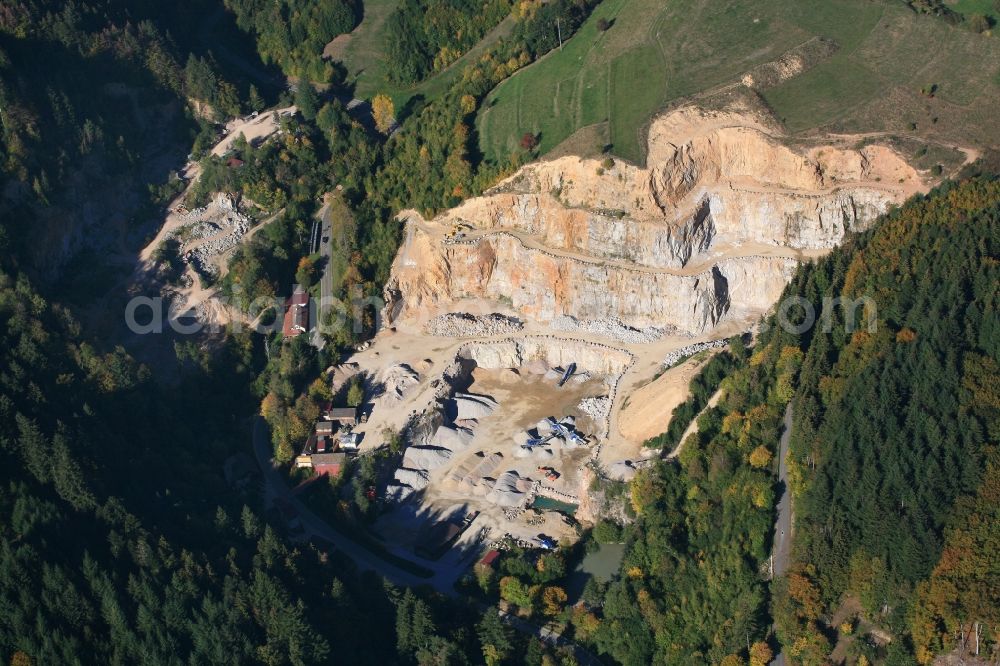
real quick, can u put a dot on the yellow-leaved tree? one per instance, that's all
(553, 600)
(384, 113)
(760, 457)
(760, 654)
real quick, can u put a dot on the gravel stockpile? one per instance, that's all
(426, 457)
(397, 380)
(414, 478)
(218, 228)
(610, 327)
(448, 437)
(397, 493)
(677, 355)
(238, 226)
(463, 325)
(621, 471)
(595, 407)
(468, 406)
(203, 230)
(509, 490)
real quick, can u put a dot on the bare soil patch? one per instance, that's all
(647, 413)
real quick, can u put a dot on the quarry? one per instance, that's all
(533, 337)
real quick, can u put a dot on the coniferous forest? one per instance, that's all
(129, 533)
(896, 426)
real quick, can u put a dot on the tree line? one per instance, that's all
(130, 538)
(692, 586)
(426, 36)
(293, 33)
(895, 427)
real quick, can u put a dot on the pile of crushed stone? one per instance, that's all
(611, 327)
(465, 325)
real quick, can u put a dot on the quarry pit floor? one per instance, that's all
(645, 396)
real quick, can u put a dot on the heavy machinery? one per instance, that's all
(569, 373)
(550, 473)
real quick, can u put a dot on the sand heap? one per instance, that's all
(509, 490)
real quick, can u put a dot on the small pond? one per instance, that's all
(548, 504)
(602, 564)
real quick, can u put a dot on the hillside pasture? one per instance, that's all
(656, 54)
(362, 53)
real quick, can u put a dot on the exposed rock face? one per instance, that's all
(713, 227)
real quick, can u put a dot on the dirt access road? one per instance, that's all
(195, 297)
(263, 125)
(646, 412)
(253, 129)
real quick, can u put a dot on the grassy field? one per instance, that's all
(970, 7)
(660, 52)
(362, 53)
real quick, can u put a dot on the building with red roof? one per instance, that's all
(296, 319)
(490, 558)
(328, 464)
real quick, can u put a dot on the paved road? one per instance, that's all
(366, 560)
(783, 524)
(781, 553)
(326, 279)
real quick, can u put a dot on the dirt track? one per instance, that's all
(253, 129)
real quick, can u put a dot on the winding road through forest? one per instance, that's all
(781, 552)
(275, 487)
(443, 579)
